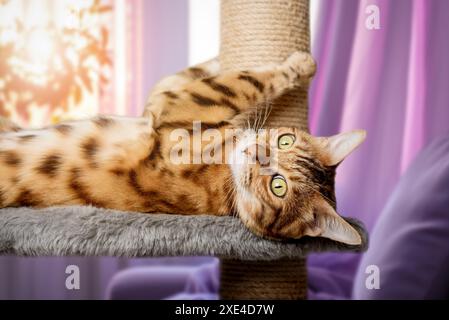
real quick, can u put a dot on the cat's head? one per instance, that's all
(293, 195)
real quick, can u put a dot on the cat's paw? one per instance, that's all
(301, 66)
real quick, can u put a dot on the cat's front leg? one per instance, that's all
(175, 82)
(300, 68)
(220, 99)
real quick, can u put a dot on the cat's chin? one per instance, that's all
(238, 159)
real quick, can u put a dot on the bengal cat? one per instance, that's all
(131, 164)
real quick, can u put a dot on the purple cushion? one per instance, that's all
(171, 282)
(410, 242)
(148, 283)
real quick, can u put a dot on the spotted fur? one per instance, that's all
(124, 163)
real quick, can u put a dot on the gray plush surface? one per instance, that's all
(88, 231)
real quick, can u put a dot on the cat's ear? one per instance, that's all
(328, 224)
(338, 147)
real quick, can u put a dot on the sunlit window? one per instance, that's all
(55, 58)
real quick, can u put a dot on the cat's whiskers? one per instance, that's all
(259, 117)
(255, 114)
(268, 109)
(230, 198)
(233, 205)
(248, 177)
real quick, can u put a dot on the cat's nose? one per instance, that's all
(257, 153)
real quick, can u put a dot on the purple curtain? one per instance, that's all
(392, 82)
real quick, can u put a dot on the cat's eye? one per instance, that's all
(278, 186)
(286, 141)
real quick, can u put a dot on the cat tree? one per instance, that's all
(254, 32)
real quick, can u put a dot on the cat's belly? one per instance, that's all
(71, 163)
(112, 163)
(190, 191)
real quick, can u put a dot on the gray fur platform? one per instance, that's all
(88, 231)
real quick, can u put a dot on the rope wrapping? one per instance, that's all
(256, 33)
(260, 32)
(277, 279)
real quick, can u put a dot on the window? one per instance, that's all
(55, 58)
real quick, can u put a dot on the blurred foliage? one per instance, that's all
(79, 56)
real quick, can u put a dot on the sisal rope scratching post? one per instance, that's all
(259, 32)
(255, 33)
